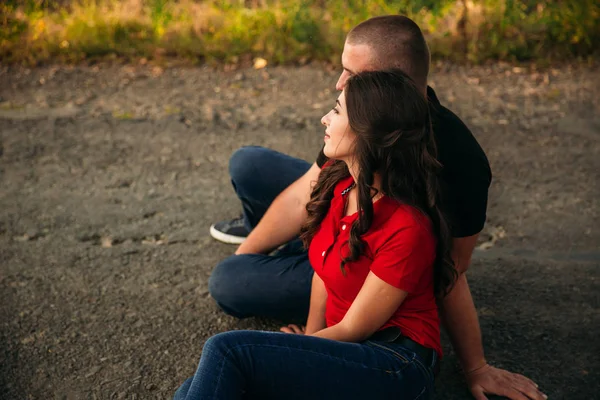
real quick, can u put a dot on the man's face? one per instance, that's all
(355, 58)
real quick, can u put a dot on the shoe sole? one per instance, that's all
(224, 237)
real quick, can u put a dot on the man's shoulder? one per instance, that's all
(456, 142)
(445, 122)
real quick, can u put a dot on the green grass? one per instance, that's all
(286, 31)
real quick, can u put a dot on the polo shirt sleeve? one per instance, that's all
(405, 260)
(468, 191)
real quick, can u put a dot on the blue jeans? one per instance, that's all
(275, 286)
(272, 365)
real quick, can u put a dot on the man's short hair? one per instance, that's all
(396, 42)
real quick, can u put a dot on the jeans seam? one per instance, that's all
(221, 371)
(313, 352)
(428, 370)
(421, 394)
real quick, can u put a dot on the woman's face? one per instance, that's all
(339, 138)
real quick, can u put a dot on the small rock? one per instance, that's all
(23, 238)
(157, 71)
(28, 339)
(185, 121)
(32, 233)
(208, 113)
(260, 63)
(106, 242)
(93, 371)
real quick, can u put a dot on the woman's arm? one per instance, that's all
(316, 313)
(374, 305)
(398, 268)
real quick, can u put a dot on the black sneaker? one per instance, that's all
(232, 231)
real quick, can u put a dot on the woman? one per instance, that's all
(380, 249)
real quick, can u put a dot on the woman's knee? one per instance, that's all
(230, 340)
(181, 393)
(228, 343)
(216, 344)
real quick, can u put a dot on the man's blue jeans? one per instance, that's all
(271, 365)
(276, 286)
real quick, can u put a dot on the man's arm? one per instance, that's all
(284, 218)
(458, 310)
(462, 325)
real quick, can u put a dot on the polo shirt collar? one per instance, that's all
(383, 208)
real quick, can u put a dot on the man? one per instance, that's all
(274, 189)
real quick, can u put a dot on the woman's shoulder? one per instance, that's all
(406, 228)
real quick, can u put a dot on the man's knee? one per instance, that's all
(244, 163)
(224, 287)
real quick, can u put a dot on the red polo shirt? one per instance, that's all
(400, 250)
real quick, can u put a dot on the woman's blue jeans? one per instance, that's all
(275, 286)
(272, 365)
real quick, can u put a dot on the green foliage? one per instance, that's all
(122, 38)
(288, 31)
(161, 16)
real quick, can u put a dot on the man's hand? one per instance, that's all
(292, 328)
(490, 380)
(461, 322)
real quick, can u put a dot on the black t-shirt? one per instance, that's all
(466, 173)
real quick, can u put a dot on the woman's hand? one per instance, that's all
(293, 328)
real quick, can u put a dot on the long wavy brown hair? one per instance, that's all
(394, 138)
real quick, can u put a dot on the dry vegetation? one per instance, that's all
(286, 31)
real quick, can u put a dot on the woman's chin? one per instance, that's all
(334, 155)
(331, 156)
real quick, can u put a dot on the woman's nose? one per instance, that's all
(323, 121)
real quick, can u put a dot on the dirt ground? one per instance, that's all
(111, 175)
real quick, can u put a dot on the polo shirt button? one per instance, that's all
(343, 227)
(323, 254)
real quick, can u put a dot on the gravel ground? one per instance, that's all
(111, 175)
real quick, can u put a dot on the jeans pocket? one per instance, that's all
(428, 371)
(405, 356)
(409, 369)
